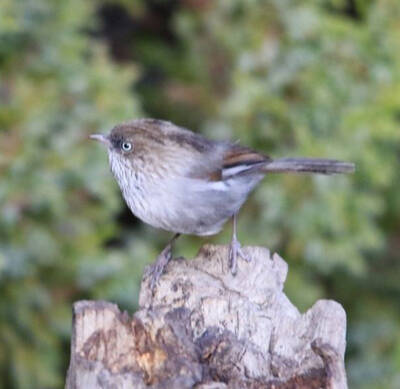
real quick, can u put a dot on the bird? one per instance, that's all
(180, 181)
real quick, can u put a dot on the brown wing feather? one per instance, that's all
(234, 158)
(214, 176)
(239, 155)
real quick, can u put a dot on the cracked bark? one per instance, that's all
(204, 328)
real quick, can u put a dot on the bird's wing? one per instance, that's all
(226, 161)
(240, 160)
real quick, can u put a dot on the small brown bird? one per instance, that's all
(179, 181)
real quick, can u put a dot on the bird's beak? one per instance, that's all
(100, 138)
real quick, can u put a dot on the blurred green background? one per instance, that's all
(290, 78)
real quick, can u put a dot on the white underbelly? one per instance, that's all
(184, 209)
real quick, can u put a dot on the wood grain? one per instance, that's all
(204, 328)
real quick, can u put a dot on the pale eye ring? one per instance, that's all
(126, 146)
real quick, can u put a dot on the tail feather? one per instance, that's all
(309, 165)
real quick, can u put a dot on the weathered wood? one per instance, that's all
(204, 328)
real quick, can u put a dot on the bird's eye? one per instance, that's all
(126, 146)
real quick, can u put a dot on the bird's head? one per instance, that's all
(133, 139)
(157, 148)
(144, 144)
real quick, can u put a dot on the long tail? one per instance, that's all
(309, 165)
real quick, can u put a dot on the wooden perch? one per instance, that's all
(204, 328)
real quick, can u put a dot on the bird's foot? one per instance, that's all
(235, 250)
(158, 267)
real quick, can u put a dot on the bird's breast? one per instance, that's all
(175, 203)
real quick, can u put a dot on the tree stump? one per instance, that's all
(205, 328)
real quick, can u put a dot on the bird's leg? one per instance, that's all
(235, 249)
(162, 261)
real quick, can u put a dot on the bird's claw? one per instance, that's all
(235, 250)
(158, 267)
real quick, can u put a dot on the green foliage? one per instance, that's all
(292, 78)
